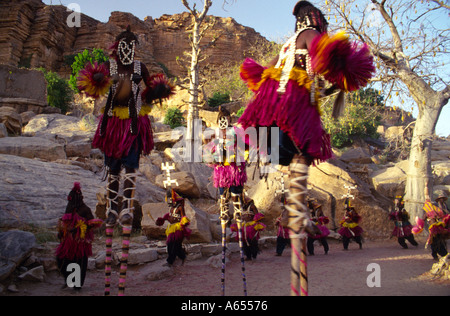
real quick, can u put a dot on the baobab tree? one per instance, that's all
(196, 33)
(410, 41)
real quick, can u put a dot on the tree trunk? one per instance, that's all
(419, 172)
(193, 93)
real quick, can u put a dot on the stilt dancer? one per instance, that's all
(123, 134)
(286, 95)
(229, 177)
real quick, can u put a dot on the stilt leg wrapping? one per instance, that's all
(224, 218)
(108, 259)
(298, 220)
(126, 233)
(238, 217)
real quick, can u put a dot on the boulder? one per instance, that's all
(157, 272)
(58, 127)
(26, 117)
(140, 256)
(34, 275)
(202, 174)
(15, 247)
(394, 132)
(199, 222)
(32, 147)
(356, 155)
(22, 89)
(11, 119)
(441, 172)
(35, 192)
(3, 131)
(440, 150)
(390, 181)
(166, 139)
(187, 185)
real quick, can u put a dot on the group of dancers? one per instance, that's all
(287, 94)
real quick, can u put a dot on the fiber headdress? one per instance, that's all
(309, 16)
(75, 198)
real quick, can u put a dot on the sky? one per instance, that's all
(272, 19)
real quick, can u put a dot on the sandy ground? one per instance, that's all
(340, 273)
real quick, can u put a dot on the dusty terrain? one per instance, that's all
(340, 273)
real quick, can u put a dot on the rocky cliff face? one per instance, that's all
(33, 34)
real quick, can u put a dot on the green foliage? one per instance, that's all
(225, 79)
(59, 94)
(80, 60)
(360, 119)
(240, 112)
(219, 98)
(174, 117)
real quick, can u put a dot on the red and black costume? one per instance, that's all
(76, 234)
(177, 229)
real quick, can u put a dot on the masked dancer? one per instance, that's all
(227, 156)
(438, 227)
(76, 234)
(177, 229)
(287, 96)
(350, 228)
(124, 132)
(320, 221)
(403, 228)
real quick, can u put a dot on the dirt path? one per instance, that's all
(340, 273)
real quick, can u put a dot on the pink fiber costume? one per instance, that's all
(115, 134)
(287, 95)
(227, 172)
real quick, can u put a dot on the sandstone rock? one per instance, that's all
(140, 256)
(202, 175)
(157, 272)
(199, 222)
(60, 128)
(394, 132)
(440, 150)
(11, 119)
(390, 181)
(38, 35)
(22, 89)
(3, 131)
(187, 186)
(441, 172)
(357, 155)
(27, 116)
(15, 247)
(34, 275)
(79, 148)
(13, 288)
(32, 147)
(35, 192)
(167, 139)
